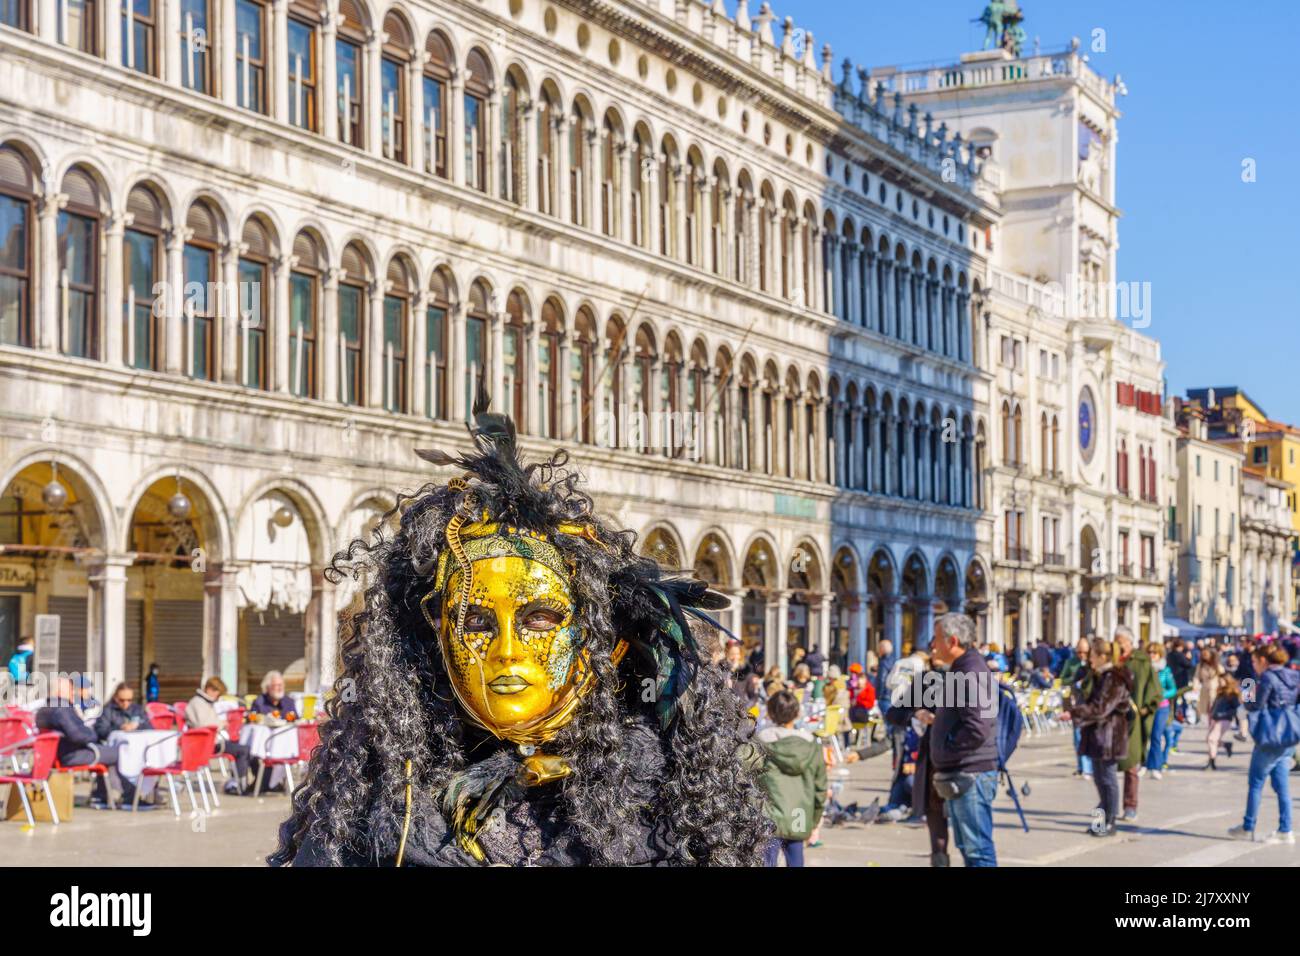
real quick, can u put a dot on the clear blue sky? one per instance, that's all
(1222, 256)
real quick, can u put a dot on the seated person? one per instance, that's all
(201, 712)
(860, 712)
(84, 696)
(1041, 679)
(122, 713)
(78, 745)
(273, 699)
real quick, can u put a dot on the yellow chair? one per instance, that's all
(308, 706)
(829, 733)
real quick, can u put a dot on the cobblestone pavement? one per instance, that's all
(1182, 822)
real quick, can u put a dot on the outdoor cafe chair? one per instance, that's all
(44, 748)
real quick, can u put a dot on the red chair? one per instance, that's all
(26, 716)
(308, 741)
(95, 769)
(234, 725)
(12, 732)
(161, 716)
(44, 749)
(178, 709)
(196, 752)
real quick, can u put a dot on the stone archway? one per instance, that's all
(758, 626)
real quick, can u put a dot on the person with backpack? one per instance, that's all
(1275, 726)
(1101, 712)
(793, 777)
(20, 663)
(964, 739)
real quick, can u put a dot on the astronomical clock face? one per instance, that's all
(1087, 424)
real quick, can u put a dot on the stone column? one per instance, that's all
(531, 384)
(174, 333)
(620, 200)
(112, 32)
(530, 184)
(852, 285)
(328, 88)
(866, 275)
(798, 294)
(824, 626)
(47, 325)
(225, 54)
(374, 345)
(418, 364)
(230, 360)
(279, 333)
(677, 234)
(725, 266)
(372, 107)
(704, 228)
(326, 658)
(168, 41)
(114, 316)
(567, 428)
(563, 200)
(780, 655)
(816, 273)
(751, 242)
(277, 79)
(106, 600)
(496, 359)
(415, 109)
(331, 387)
(456, 365)
(492, 148)
(221, 622)
(456, 132)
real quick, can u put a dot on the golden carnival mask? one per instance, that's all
(503, 609)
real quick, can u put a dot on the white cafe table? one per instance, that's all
(265, 741)
(144, 748)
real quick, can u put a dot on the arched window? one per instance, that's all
(477, 318)
(139, 35)
(142, 261)
(353, 284)
(397, 316)
(478, 85)
(740, 264)
(250, 55)
(16, 14)
(549, 113)
(690, 183)
(549, 381)
(350, 72)
(1151, 476)
(201, 280)
(435, 343)
(764, 237)
(718, 218)
(301, 70)
(512, 138)
(79, 223)
(1056, 445)
(197, 46)
(304, 298)
(1142, 472)
(577, 147)
(582, 380)
(610, 408)
(437, 81)
(1121, 467)
(393, 65)
(254, 298)
(17, 241)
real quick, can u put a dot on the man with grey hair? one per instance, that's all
(963, 738)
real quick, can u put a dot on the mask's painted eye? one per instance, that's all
(541, 618)
(476, 619)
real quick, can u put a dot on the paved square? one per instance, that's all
(1182, 822)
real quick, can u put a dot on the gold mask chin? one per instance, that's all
(516, 665)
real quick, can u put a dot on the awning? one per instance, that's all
(1177, 627)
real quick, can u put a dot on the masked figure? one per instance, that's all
(521, 688)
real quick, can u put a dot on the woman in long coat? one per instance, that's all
(1103, 717)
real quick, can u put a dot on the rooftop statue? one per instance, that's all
(1002, 19)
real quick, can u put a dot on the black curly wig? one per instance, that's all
(393, 701)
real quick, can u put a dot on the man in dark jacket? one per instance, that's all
(963, 737)
(816, 662)
(1041, 656)
(78, 745)
(122, 713)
